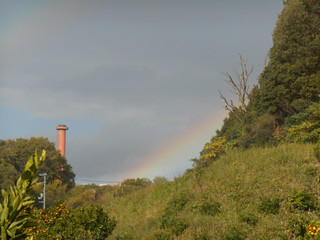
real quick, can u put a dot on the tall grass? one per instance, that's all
(246, 194)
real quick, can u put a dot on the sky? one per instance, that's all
(136, 81)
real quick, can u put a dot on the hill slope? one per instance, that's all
(259, 193)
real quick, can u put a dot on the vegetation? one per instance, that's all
(14, 210)
(13, 155)
(289, 86)
(257, 178)
(258, 193)
(59, 222)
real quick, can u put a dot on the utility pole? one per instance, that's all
(43, 194)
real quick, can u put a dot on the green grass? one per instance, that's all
(257, 193)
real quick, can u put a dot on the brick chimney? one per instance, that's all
(62, 139)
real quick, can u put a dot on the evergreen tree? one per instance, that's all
(291, 80)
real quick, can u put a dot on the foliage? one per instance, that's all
(210, 152)
(207, 206)
(131, 185)
(292, 74)
(287, 96)
(15, 218)
(15, 152)
(8, 174)
(270, 205)
(240, 181)
(233, 234)
(307, 127)
(313, 230)
(170, 220)
(297, 225)
(159, 180)
(248, 218)
(163, 235)
(303, 201)
(59, 222)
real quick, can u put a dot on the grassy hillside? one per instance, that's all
(259, 193)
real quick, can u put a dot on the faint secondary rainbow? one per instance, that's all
(39, 15)
(202, 131)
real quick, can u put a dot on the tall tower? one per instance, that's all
(62, 139)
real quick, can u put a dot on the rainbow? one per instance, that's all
(173, 150)
(171, 153)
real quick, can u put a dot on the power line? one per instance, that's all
(92, 180)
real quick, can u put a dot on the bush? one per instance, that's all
(207, 207)
(233, 234)
(210, 152)
(270, 205)
(176, 204)
(169, 219)
(58, 222)
(303, 201)
(307, 128)
(297, 225)
(249, 218)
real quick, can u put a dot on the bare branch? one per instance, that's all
(240, 88)
(229, 106)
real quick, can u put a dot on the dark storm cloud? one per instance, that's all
(149, 70)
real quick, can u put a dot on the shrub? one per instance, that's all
(307, 128)
(58, 222)
(176, 204)
(176, 225)
(233, 234)
(210, 152)
(297, 225)
(303, 201)
(249, 218)
(207, 207)
(270, 205)
(169, 219)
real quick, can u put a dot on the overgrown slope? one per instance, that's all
(259, 193)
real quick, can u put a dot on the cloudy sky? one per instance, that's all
(136, 81)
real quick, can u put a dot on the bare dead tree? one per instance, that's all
(240, 88)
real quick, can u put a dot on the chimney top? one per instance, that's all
(62, 127)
